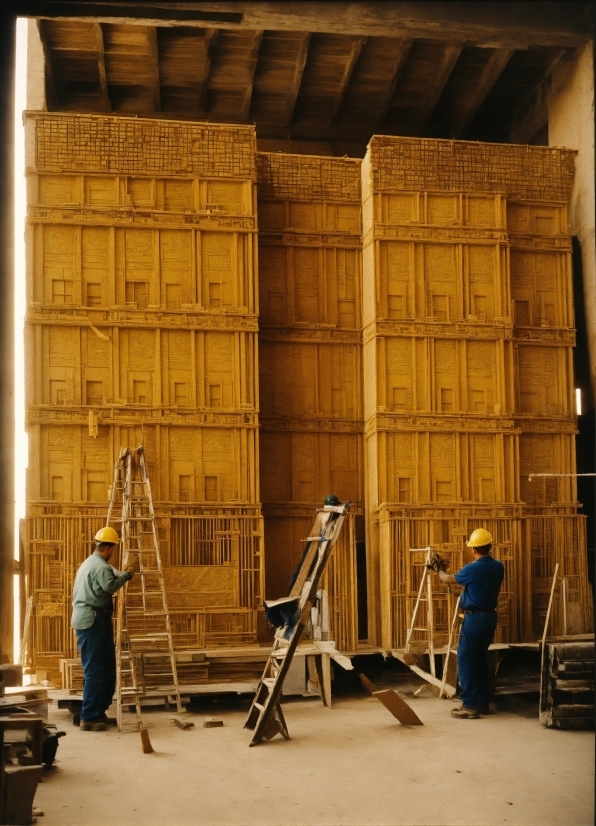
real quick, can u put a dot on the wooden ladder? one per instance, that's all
(424, 595)
(146, 665)
(265, 717)
(445, 689)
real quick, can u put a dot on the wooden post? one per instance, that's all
(7, 456)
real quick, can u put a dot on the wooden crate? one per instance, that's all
(544, 380)
(414, 373)
(446, 279)
(472, 211)
(422, 462)
(172, 270)
(143, 367)
(187, 463)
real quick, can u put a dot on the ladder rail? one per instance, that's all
(451, 644)
(145, 479)
(419, 598)
(132, 649)
(265, 716)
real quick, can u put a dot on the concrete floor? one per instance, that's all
(352, 764)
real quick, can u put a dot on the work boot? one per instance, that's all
(484, 710)
(109, 721)
(464, 712)
(93, 725)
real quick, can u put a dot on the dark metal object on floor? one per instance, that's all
(19, 783)
(567, 690)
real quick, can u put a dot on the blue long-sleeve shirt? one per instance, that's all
(94, 585)
(482, 579)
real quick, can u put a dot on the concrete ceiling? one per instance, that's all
(326, 71)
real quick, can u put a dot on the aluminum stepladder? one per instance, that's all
(265, 717)
(145, 661)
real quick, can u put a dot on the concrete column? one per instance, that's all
(7, 59)
(571, 124)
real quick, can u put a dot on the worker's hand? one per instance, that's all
(437, 564)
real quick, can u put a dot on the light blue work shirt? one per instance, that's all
(94, 585)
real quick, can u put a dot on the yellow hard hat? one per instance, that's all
(108, 535)
(479, 538)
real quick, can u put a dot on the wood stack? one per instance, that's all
(447, 367)
(419, 366)
(309, 359)
(142, 326)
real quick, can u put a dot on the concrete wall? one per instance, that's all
(571, 124)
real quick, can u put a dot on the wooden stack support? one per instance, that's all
(310, 362)
(444, 378)
(142, 328)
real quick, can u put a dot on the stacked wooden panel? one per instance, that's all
(544, 335)
(142, 328)
(446, 371)
(309, 358)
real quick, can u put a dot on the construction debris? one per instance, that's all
(393, 703)
(145, 741)
(212, 722)
(185, 725)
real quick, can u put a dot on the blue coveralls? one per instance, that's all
(482, 580)
(94, 585)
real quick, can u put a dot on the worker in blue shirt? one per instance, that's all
(94, 585)
(482, 580)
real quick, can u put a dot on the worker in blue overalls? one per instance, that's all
(482, 580)
(94, 585)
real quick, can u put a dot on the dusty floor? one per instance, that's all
(352, 764)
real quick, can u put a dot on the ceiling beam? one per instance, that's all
(355, 51)
(209, 43)
(443, 71)
(302, 55)
(401, 55)
(52, 96)
(489, 24)
(101, 66)
(251, 65)
(154, 60)
(464, 110)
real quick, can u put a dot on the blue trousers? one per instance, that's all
(476, 635)
(98, 656)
